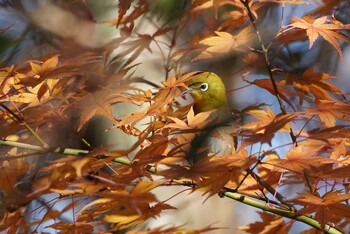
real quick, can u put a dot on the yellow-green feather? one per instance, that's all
(212, 99)
(217, 136)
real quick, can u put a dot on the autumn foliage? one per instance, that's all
(51, 93)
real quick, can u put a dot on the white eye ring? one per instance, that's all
(204, 87)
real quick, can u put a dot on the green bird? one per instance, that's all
(209, 94)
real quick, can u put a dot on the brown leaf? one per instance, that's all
(76, 227)
(123, 7)
(217, 171)
(292, 35)
(42, 90)
(311, 82)
(264, 130)
(99, 103)
(298, 160)
(327, 208)
(326, 7)
(270, 224)
(11, 170)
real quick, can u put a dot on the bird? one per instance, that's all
(217, 137)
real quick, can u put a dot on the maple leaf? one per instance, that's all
(48, 66)
(326, 7)
(123, 7)
(122, 221)
(164, 96)
(328, 208)
(269, 223)
(311, 82)
(264, 130)
(11, 170)
(32, 89)
(212, 173)
(175, 230)
(142, 97)
(130, 130)
(224, 43)
(79, 164)
(324, 28)
(199, 5)
(99, 103)
(8, 79)
(39, 73)
(328, 111)
(137, 205)
(81, 227)
(197, 121)
(137, 46)
(138, 10)
(341, 172)
(291, 2)
(292, 35)
(298, 160)
(265, 118)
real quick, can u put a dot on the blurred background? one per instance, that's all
(89, 30)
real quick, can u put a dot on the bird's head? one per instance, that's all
(208, 92)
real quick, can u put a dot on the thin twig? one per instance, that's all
(268, 66)
(67, 151)
(265, 51)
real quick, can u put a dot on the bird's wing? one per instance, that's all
(217, 139)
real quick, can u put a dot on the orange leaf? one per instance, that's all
(326, 111)
(79, 164)
(312, 82)
(297, 160)
(224, 43)
(123, 7)
(48, 66)
(99, 103)
(322, 27)
(144, 186)
(42, 90)
(266, 118)
(194, 121)
(270, 224)
(328, 208)
(120, 219)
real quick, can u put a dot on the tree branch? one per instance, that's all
(22, 121)
(284, 213)
(243, 198)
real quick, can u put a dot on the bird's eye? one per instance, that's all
(204, 87)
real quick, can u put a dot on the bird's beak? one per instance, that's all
(186, 92)
(189, 90)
